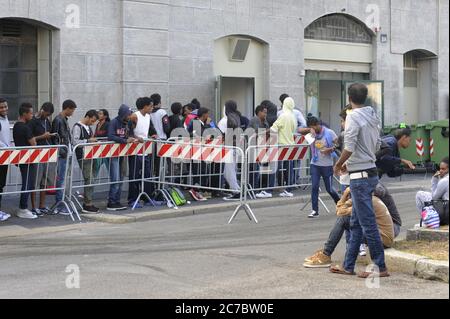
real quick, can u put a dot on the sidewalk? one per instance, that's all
(20, 227)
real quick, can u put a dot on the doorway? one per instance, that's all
(240, 90)
(330, 103)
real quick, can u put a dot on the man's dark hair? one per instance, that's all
(358, 93)
(48, 107)
(156, 98)
(231, 107)
(398, 134)
(283, 97)
(312, 121)
(25, 108)
(143, 102)
(260, 108)
(445, 160)
(91, 114)
(202, 111)
(176, 108)
(189, 107)
(196, 104)
(69, 104)
(2, 100)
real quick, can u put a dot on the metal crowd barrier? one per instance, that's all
(201, 164)
(135, 158)
(35, 170)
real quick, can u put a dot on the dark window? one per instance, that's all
(18, 64)
(338, 27)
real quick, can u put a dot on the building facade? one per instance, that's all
(102, 53)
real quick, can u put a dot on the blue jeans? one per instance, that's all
(326, 172)
(115, 175)
(342, 225)
(363, 223)
(62, 165)
(286, 176)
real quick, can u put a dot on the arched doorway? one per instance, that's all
(239, 66)
(338, 49)
(25, 63)
(418, 72)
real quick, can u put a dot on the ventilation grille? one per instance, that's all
(11, 29)
(239, 49)
(410, 78)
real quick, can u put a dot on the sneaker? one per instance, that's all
(314, 214)
(264, 194)
(320, 260)
(233, 197)
(138, 205)
(61, 211)
(286, 194)
(197, 196)
(362, 250)
(26, 214)
(115, 207)
(37, 212)
(308, 259)
(90, 209)
(45, 210)
(4, 216)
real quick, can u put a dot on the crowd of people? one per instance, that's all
(358, 155)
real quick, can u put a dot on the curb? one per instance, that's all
(210, 209)
(415, 265)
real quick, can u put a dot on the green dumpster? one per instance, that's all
(439, 132)
(419, 150)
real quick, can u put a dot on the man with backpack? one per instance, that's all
(83, 134)
(388, 157)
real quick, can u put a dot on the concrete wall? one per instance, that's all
(125, 49)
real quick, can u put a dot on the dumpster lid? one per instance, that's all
(442, 123)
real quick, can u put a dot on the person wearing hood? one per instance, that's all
(388, 157)
(362, 141)
(286, 127)
(119, 131)
(301, 121)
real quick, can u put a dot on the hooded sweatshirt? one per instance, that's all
(362, 138)
(286, 124)
(5, 133)
(119, 129)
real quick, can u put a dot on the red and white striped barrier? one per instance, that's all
(117, 150)
(212, 152)
(34, 156)
(431, 147)
(281, 153)
(420, 147)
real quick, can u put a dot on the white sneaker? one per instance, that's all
(4, 216)
(264, 194)
(362, 250)
(26, 214)
(286, 194)
(314, 214)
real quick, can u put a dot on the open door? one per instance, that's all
(374, 99)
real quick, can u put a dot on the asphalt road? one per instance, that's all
(195, 257)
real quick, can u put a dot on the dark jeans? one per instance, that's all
(326, 172)
(255, 178)
(116, 177)
(135, 173)
(28, 173)
(3, 175)
(342, 224)
(286, 176)
(363, 222)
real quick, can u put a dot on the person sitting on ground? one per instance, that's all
(439, 190)
(387, 218)
(388, 157)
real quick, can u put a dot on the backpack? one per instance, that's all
(441, 206)
(177, 196)
(430, 218)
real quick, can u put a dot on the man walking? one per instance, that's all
(362, 140)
